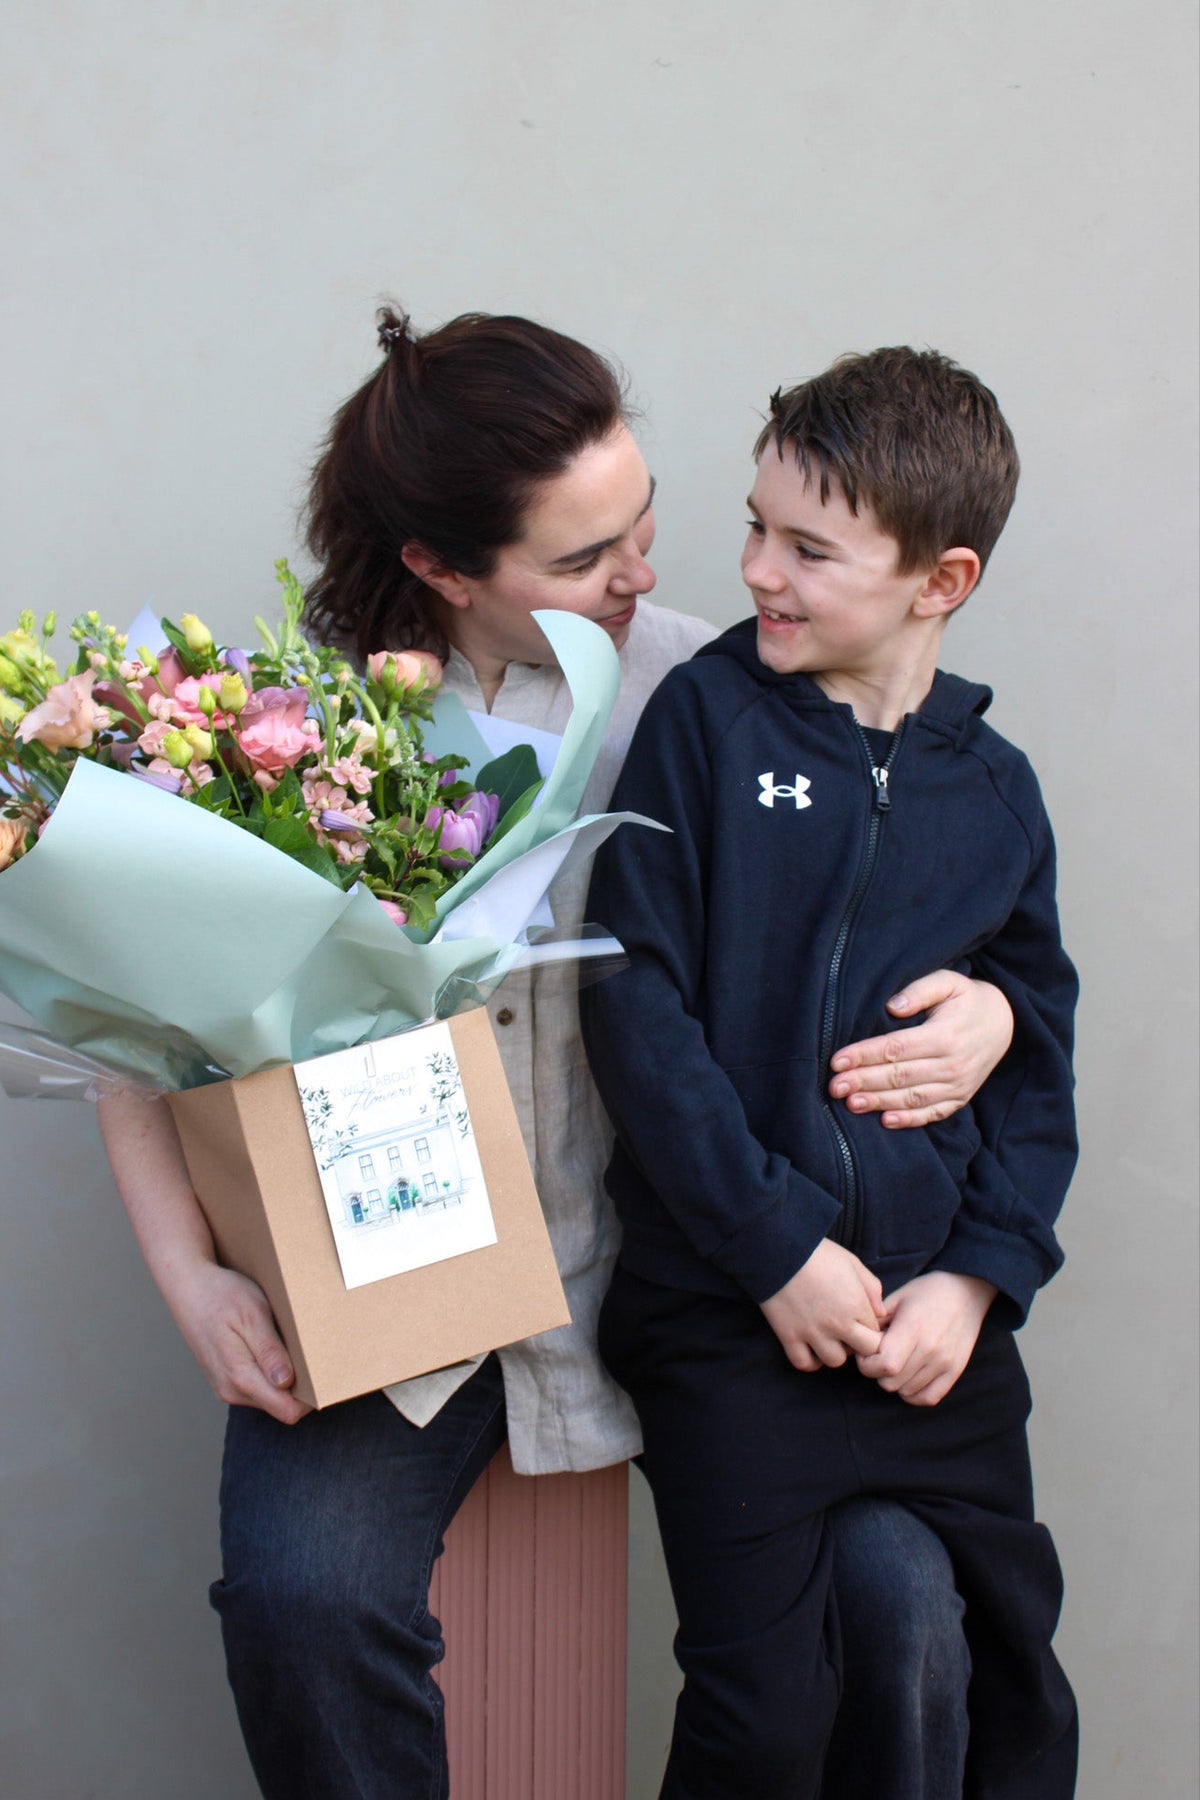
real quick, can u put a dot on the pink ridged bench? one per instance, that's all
(531, 1596)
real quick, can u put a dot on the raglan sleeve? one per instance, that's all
(1025, 1113)
(677, 1116)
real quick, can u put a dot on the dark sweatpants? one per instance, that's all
(744, 1453)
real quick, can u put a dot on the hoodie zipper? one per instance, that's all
(845, 1229)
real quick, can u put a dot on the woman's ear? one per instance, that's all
(948, 584)
(446, 583)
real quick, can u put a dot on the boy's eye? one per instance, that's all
(755, 526)
(807, 555)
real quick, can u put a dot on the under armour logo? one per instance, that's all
(798, 793)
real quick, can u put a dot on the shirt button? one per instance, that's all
(504, 1016)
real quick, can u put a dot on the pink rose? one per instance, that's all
(185, 699)
(272, 731)
(68, 718)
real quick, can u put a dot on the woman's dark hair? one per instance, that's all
(444, 446)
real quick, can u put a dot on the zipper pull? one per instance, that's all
(883, 799)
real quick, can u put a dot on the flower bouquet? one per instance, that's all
(217, 865)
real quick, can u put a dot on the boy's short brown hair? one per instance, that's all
(911, 435)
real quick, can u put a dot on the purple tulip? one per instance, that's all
(238, 661)
(467, 829)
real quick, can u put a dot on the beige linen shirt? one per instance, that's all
(564, 1411)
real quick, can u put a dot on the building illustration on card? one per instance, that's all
(391, 1134)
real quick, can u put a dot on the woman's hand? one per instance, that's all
(228, 1326)
(224, 1317)
(926, 1072)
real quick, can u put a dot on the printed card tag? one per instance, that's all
(399, 1167)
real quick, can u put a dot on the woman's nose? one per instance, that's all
(635, 576)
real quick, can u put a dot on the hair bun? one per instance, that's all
(392, 330)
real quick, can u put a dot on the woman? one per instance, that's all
(485, 470)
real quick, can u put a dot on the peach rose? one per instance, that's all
(409, 671)
(13, 833)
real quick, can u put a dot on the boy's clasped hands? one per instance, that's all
(915, 1343)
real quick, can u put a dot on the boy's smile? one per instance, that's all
(830, 601)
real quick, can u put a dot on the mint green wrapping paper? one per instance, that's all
(171, 946)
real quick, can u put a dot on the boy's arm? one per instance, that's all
(743, 1208)
(1017, 1181)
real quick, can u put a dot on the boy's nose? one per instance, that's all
(759, 571)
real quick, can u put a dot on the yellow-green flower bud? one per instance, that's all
(177, 749)
(197, 636)
(93, 618)
(200, 740)
(120, 640)
(148, 660)
(233, 693)
(11, 711)
(48, 628)
(10, 675)
(25, 622)
(22, 648)
(206, 700)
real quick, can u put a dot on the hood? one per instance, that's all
(951, 702)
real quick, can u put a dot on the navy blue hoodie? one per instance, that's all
(811, 872)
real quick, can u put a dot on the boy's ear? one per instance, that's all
(445, 582)
(948, 585)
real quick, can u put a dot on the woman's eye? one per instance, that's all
(585, 568)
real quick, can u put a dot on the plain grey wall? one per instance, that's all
(204, 204)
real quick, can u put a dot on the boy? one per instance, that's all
(808, 1307)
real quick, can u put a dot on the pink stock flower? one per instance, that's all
(151, 739)
(350, 772)
(396, 913)
(272, 731)
(68, 718)
(335, 820)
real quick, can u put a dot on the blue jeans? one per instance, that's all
(900, 1732)
(329, 1533)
